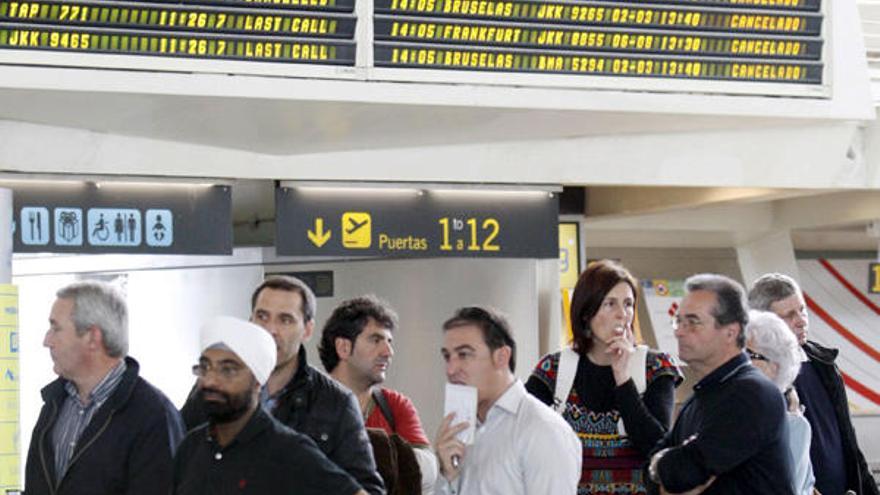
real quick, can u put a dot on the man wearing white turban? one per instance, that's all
(242, 449)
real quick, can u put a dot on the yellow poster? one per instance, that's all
(569, 269)
(569, 255)
(9, 426)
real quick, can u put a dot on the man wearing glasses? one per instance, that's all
(838, 463)
(242, 449)
(296, 393)
(731, 436)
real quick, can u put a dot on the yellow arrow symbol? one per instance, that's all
(319, 237)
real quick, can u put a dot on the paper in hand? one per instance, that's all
(462, 400)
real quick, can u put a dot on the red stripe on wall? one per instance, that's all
(861, 389)
(856, 292)
(867, 349)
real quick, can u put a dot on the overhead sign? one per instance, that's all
(300, 31)
(874, 278)
(122, 218)
(415, 223)
(733, 40)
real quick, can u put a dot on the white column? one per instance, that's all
(772, 252)
(6, 214)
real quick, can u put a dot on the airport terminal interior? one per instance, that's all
(437, 154)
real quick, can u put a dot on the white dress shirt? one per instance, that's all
(523, 448)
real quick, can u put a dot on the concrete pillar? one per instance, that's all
(772, 252)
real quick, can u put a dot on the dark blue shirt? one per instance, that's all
(826, 448)
(733, 427)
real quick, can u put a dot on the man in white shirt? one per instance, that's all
(520, 446)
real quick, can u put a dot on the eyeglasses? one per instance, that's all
(227, 371)
(754, 356)
(687, 323)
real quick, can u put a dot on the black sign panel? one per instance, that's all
(122, 218)
(737, 40)
(320, 282)
(414, 223)
(300, 31)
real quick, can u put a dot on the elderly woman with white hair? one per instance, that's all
(774, 350)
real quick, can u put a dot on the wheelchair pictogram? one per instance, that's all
(114, 226)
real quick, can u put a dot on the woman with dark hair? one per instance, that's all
(618, 397)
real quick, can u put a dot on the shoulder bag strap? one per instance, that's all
(384, 408)
(568, 365)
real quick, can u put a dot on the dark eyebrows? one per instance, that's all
(464, 347)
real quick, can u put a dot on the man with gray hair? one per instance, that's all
(838, 463)
(731, 436)
(103, 429)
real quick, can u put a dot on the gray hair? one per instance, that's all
(731, 306)
(102, 305)
(769, 336)
(771, 287)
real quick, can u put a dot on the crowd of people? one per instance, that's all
(768, 413)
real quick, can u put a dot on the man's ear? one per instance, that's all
(343, 347)
(308, 330)
(95, 338)
(501, 357)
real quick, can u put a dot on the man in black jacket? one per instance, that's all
(299, 395)
(103, 429)
(838, 463)
(731, 436)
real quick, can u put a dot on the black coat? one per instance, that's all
(317, 405)
(126, 449)
(858, 475)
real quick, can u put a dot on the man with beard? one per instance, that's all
(103, 429)
(356, 350)
(296, 393)
(242, 449)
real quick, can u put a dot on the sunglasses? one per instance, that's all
(754, 356)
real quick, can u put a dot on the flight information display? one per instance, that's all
(298, 31)
(733, 40)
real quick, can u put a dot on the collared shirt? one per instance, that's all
(523, 448)
(75, 416)
(265, 457)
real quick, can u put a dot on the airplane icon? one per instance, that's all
(356, 230)
(355, 225)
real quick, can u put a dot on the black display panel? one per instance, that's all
(299, 31)
(733, 40)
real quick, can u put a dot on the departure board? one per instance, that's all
(728, 40)
(292, 31)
